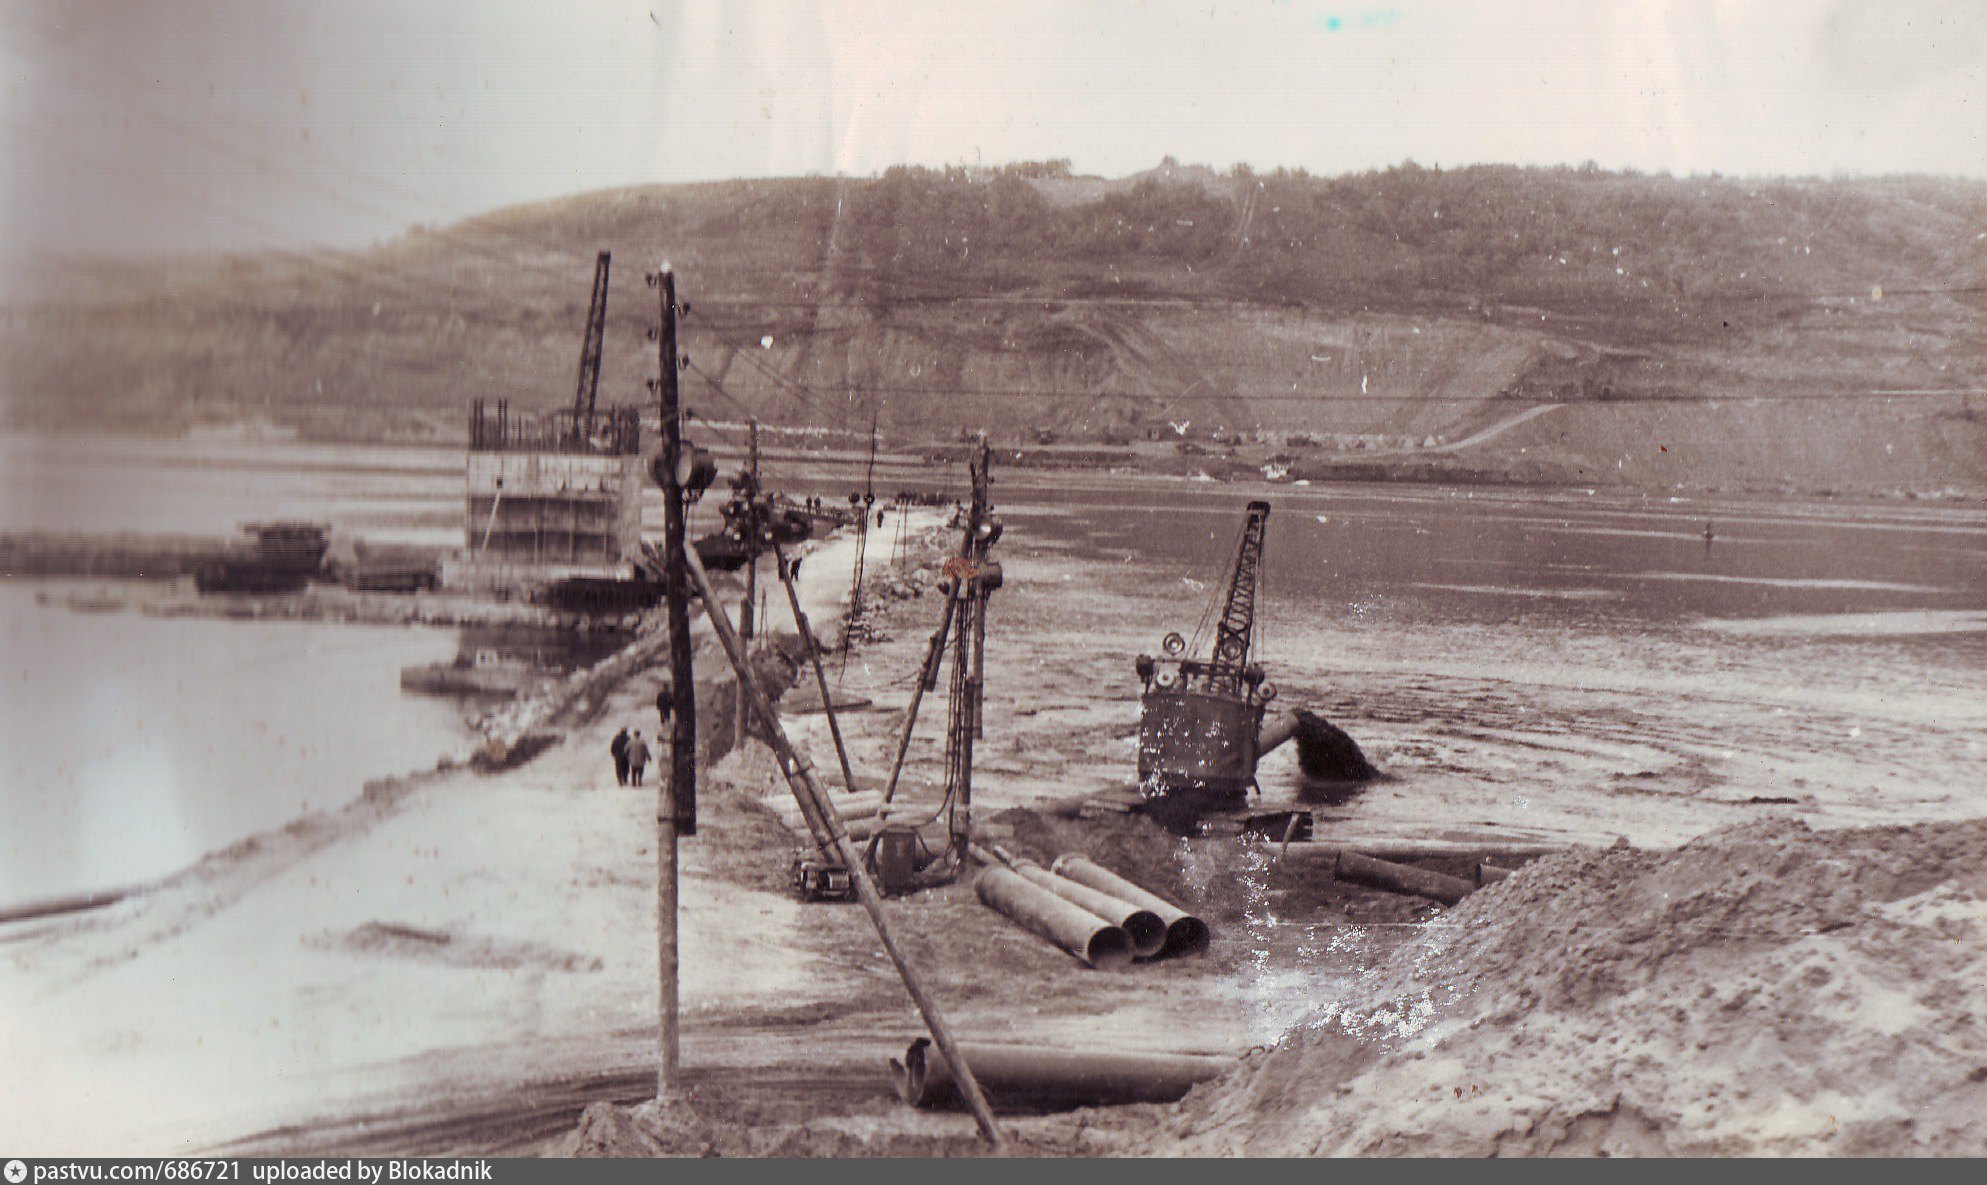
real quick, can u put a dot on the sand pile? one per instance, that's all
(683, 1128)
(1767, 989)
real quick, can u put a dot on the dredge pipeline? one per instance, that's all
(1145, 928)
(1039, 1078)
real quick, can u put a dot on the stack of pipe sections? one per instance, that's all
(1091, 912)
(1145, 928)
(1186, 934)
(1100, 943)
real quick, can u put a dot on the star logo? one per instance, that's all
(16, 1172)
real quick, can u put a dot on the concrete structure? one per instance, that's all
(549, 497)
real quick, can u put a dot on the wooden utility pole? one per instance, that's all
(748, 611)
(676, 813)
(788, 570)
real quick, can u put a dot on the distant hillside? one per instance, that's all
(1668, 327)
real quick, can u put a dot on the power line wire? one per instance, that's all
(800, 391)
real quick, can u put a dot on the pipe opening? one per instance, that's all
(1109, 949)
(1186, 936)
(1146, 931)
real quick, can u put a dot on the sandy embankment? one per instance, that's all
(1764, 990)
(449, 929)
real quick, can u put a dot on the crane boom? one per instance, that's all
(1234, 634)
(590, 345)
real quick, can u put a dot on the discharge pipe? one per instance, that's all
(1325, 751)
(1185, 933)
(1034, 1077)
(1099, 943)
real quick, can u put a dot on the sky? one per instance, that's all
(136, 128)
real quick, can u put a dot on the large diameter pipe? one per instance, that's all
(1404, 878)
(1275, 731)
(1033, 1077)
(861, 802)
(1142, 926)
(1100, 943)
(1185, 933)
(792, 818)
(868, 827)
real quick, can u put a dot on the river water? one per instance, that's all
(1551, 663)
(132, 745)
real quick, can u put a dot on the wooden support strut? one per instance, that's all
(814, 658)
(926, 674)
(827, 825)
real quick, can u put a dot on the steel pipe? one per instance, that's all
(864, 802)
(1100, 943)
(1275, 731)
(861, 810)
(1490, 874)
(1403, 878)
(1142, 926)
(1038, 1078)
(869, 826)
(1185, 933)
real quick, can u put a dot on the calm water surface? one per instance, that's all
(131, 745)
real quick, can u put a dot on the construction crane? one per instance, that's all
(1201, 719)
(590, 345)
(1202, 725)
(1234, 634)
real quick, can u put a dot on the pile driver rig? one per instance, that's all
(898, 854)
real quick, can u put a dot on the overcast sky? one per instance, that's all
(206, 124)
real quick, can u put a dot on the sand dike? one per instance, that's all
(1768, 989)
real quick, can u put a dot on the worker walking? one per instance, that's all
(638, 759)
(619, 748)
